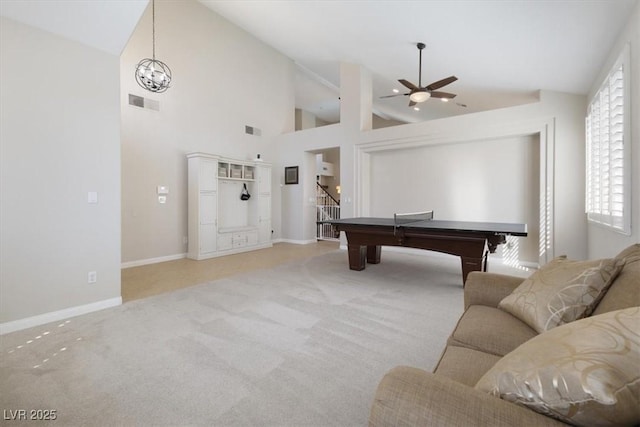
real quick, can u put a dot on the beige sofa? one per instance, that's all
(409, 396)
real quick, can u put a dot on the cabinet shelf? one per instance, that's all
(236, 171)
(236, 229)
(236, 179)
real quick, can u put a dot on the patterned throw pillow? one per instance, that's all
(561, 291)
(584, 373)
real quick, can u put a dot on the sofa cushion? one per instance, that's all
(584, 373)
(490, 330)
(561, 292)
(484, 288)
(413, 397)
(625, 290)
(465, 365)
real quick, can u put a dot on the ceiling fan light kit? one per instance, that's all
(420, 96)
(151, 74)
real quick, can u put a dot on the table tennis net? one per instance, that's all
(405, 218)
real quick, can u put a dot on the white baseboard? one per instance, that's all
(243, 249)
(148, 261)
(296, 242)
(54, 316)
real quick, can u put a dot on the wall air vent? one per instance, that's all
(139, 101)
(250, 130)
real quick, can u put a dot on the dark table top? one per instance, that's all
(514, 229)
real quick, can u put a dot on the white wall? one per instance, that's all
(60, 139)
(379, 122)
(223, 79)
(604, 242)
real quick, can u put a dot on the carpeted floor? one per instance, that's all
(304, 343)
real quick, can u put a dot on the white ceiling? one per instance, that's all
(102, 24)
(502, 51)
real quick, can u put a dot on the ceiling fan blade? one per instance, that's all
(409, 84)
(446, 95)
(397, 94)
(442, 83)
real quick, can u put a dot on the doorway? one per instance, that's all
(327, 192)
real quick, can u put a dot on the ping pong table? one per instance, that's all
(471, 241)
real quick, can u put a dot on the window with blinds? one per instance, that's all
(607, 154)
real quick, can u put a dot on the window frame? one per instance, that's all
(609, 220)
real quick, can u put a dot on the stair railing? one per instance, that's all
(327, 208)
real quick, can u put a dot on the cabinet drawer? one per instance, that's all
(239, 240)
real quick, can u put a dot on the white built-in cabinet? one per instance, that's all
(219, 221)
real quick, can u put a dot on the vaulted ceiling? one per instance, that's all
(501, 51)
(105, 25)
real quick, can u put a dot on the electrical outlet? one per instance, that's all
(92, 277)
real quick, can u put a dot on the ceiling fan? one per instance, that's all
(419, 93)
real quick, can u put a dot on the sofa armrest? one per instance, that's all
(488, 288)
(412, 397)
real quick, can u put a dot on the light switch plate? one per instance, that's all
(92, 197)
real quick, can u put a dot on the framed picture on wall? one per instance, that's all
(291, 175)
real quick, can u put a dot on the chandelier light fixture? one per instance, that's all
(151, 74)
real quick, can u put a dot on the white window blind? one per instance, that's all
(607, 134)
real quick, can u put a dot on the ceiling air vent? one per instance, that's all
(139, 101)
(250, 130)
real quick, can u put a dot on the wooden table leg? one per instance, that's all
(373, 254)
(357, 256)
(469, 265)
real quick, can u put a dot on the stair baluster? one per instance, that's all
(327, 208)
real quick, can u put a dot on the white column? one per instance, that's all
(355, 97)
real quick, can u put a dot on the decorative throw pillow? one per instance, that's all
(584, 373)
(631, 253)
(561, 291)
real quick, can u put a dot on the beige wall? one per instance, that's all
(602, 241)
(60, 139)
(223, 79)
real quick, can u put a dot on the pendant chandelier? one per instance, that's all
(151, 74)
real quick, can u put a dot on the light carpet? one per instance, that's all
(305, 343)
